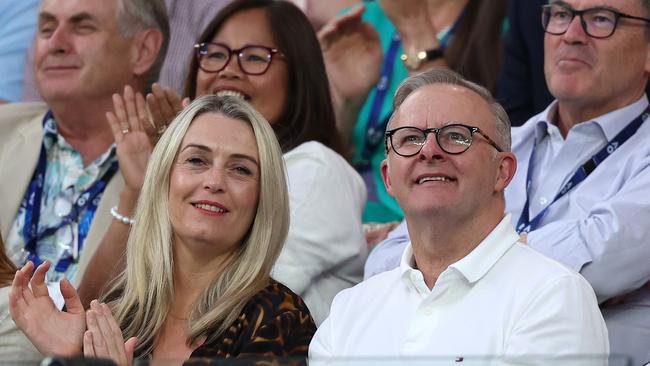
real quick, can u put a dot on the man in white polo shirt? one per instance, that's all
(465, 285)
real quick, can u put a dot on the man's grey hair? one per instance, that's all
(134, 16)
(446, 76)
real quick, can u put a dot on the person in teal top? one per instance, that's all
(380, 207)
(371, 48)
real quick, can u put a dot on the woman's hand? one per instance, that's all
(104, 339)
(413, 21)
(164, 104)
(403, 12)
(53, 332)
(353, 58)
(134, 136)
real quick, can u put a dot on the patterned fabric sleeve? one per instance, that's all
(275, 322)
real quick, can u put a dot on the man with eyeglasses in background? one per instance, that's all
(59, 175)
(465, 285)
(581, 194)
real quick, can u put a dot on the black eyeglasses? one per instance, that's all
(252, 59)
(453, 139)
(597, 22)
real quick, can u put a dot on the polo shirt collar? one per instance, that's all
(479, 261)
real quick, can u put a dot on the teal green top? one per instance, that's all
(381, 207)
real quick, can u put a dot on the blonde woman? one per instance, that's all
(209, 224)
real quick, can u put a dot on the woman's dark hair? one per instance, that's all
(475, 50)
(7, 268)
(309, 114)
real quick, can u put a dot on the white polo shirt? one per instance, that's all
(504, 298)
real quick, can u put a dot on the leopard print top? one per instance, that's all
(274, 322)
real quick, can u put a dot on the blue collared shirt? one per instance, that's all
(600, 227)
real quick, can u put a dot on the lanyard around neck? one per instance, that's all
(87, 201)
(525, 224)
(376, 126)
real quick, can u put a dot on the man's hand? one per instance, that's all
(53, 332)
(376, 232)
(523, 238)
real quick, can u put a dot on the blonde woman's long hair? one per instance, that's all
(7, 267)
(142, 295)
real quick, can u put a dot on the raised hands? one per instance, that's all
(353, 57)
(53, 332)
(404, 12)
(104, 338)
(136, 129)
(413, 21)
(164, 104)
(376, 232)
(134, 136)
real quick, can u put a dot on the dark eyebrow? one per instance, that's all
(234, 156)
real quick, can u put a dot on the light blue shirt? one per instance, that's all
(386, 255)
(602, 226)
(17, 27)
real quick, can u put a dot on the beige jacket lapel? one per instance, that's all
(21, 146)
(101, 223)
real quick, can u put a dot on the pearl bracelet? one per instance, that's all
(121, 218)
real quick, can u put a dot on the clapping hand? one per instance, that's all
(52, 331)
(353, 57)
(412, 19)
(104, 338)
(134, 136)
(164, 104)
(404, 12)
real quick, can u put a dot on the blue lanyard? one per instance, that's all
(87, 201)
(526, 225)
(375, 126)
